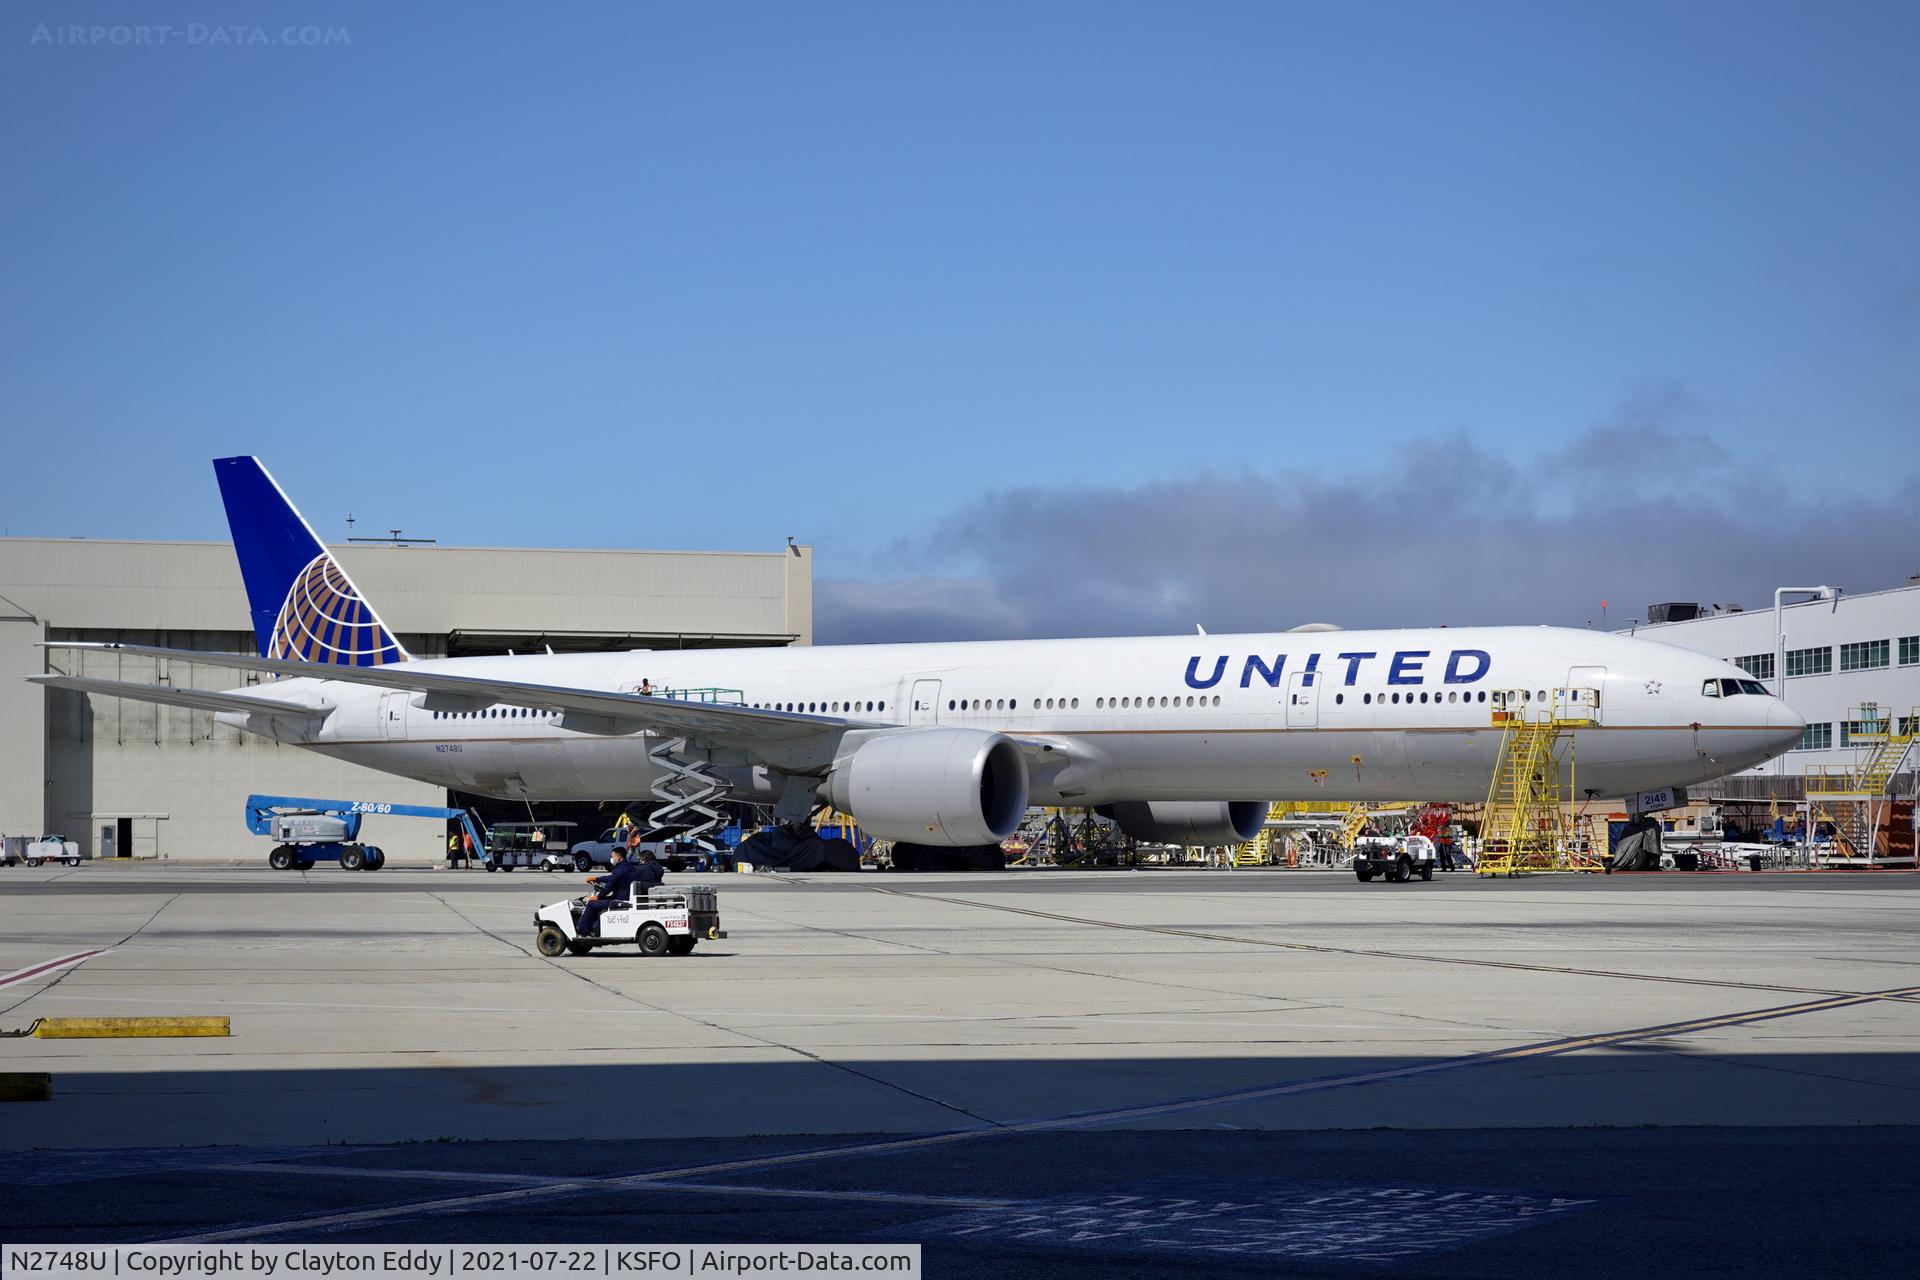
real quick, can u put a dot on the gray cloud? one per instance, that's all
(1634, 509)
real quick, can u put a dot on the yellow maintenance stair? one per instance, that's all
(1524, 826)
(1885, 741)
(1855, 798)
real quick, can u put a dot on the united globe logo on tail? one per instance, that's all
(326, 620)
(303, 606)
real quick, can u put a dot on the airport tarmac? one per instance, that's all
(1095, 1073)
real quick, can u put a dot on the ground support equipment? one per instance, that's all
(1524, 827)
(1855, 799)
(309, 831)
(660, 921)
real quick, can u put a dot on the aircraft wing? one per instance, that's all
(197, 699)
(586, 710)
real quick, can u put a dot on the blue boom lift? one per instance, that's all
(307, 831)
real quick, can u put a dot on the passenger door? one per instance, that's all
(923, 707)
(1303, 701)
(393, 717)
(1583, 691)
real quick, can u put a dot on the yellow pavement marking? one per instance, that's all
(116, 1028)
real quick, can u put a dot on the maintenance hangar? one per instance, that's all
(133, 778)
(1849, 663)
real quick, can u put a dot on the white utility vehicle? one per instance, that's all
(662, 922)
(53, 849)
(1396, 858)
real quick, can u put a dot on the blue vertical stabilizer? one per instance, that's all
(302, 603)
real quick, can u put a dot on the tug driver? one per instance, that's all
(616, 886)
(613, 885)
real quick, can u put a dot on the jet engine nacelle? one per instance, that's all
(952, 787)
(1189, 822)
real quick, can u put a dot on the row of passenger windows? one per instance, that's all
(1051, 705)
(1368, 699)
(1727, 688)
(497, 713)
(850, 706)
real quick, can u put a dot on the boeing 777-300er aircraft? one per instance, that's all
(1183, 739)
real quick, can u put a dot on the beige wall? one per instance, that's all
(23, 725)
(195, 586)
(68, 761)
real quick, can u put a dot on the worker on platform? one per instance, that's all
(646, 687)
(614, 886)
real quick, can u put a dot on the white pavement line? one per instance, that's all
(1362, 952)
(410, 1175)
(782, 1015)
(871, 1197)
(521, 1179)
(51, 966)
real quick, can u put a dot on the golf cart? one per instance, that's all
(661, 922)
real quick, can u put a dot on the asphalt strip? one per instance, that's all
(297, 1227)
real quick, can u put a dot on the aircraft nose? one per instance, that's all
(1790, 724)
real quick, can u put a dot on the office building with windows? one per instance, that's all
(1838, 655)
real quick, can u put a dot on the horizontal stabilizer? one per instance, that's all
(197, 699)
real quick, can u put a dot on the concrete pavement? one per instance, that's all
(993, 1020)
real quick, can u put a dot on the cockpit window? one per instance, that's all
(1710, 689)
(1753, 686)
(1729, 688)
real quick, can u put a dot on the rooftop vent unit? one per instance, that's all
(1672, 612)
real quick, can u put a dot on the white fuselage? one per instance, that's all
(1354, 715)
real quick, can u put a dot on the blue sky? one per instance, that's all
(709, 275)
